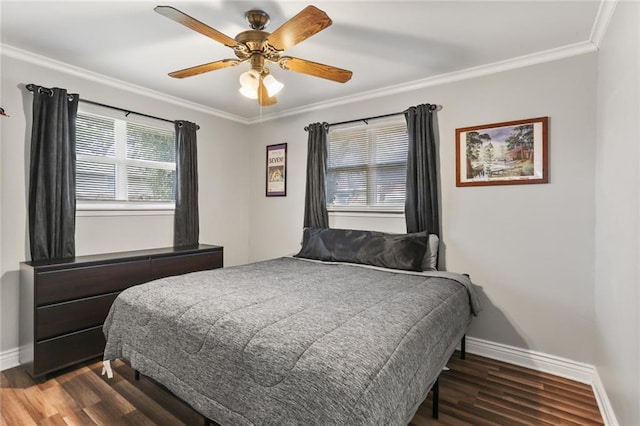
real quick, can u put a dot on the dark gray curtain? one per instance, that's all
(421, 205)
(186, 220)
(315, 200)
(52, 174)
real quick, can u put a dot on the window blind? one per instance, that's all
(122, 160)
(95, 181)
(95, 135)
(149, 143)
(367, 167)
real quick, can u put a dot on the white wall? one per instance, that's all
(530, 247)
(617, 279)
(2, 309)
(223, 183)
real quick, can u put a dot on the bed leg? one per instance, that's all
(463, 348)
(207, 422)
(436, 398)
(136, 375)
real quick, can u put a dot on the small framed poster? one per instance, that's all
(513, 152)
(277, 170)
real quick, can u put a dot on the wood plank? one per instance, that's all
(495, 365)
(60, 400)
(108, 411)
(16, 378)
(558, 395)
(83, 396)
(489, 413)
(13, 411)
(79, 418)
(145, 405)
(55, 420)
(523, 412)
(576, 407)
(33, 397)
(512, 417)
(137, 418)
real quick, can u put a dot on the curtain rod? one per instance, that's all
(31, 87)
(366, 119)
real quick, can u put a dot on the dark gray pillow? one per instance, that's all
(430, 261)
(395, 251)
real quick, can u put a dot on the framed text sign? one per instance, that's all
(277, 170)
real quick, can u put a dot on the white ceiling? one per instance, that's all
(385, 43)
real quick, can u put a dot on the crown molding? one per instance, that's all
(604, 14)
(43, 61)
(469, 73)
(601, 23)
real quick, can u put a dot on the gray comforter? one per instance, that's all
(293, 342)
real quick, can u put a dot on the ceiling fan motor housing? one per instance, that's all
(256, 43)
(257, 19)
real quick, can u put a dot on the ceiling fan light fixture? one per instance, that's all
(250, 79)
(249, 93)
(273, 86)
(249, 82)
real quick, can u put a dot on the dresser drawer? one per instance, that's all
(177, 265)
(74, 283)
(63, 351)
(66, 317)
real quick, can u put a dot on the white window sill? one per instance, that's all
(93, 209)
(366, 213)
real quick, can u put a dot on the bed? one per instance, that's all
(293, 340)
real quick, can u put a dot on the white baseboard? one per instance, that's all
(608, 416)
(538, 361)
(558, 366)
(9, 359)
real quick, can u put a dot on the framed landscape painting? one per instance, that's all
(276, 170)
(513, 152)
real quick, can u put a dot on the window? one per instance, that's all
(124, 162)
(367, 167)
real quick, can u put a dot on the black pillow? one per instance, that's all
(395, 251)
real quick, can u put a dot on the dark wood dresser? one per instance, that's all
(63, 303)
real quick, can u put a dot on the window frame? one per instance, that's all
(121, 162)
(371, 170)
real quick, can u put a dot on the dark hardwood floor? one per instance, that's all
(475, 391)
(481, 391)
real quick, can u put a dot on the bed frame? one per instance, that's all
(435, 388)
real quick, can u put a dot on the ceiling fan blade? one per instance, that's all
(315, 69)
(199, 69)
(194, 24)
(307, 22)
(263, 95)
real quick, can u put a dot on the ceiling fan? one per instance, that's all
(259, 48)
